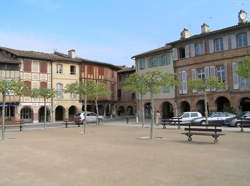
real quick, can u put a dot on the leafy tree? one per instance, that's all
(45, 93)
(244, 68)
(203, 85)
(84, 90)
(154, 81)
(98, 90)
(12, 87)
(136, 83)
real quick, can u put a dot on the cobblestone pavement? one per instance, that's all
(111, 155)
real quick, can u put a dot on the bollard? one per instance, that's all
(21, 127)
(66, 123)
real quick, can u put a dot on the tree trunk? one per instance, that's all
(97, 112)
(85, 114)
(3, 118)
(152, 116)
(206, 111)
(45, 114)
(142, 111)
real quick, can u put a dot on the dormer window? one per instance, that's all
(218, 44)
(182, 52)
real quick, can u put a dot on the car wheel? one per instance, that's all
(237, 124)
(203, 122)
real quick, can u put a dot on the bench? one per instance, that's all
(244, 122)
(203, 130)
(165, 122)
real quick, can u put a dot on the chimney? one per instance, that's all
(205, 28)
(242, 16)
(72, 53)
(185, 34)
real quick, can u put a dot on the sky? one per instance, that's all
(110, 31)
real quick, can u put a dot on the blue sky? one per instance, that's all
(109, 30)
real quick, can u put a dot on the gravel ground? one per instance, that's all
(116, 156)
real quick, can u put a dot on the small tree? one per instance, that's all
(205, 84)
(136, 83)
(45, 93)
(84, 90)
(154, 81)
(12, 87)
(244, 68)
(98, 90)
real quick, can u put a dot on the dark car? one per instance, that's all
(236, 121)
(214, 117)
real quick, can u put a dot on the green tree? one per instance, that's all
(98, 90)
(135, 83)
(45, 94)
(84, 90)
(154, 81)
(244, 68)
(203, 85)
(12, 87)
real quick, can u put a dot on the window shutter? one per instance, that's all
(225, 43)
(248, 38)
(235, 76)
(194, 77)
(28, 84)
(211, 46)
(184, 76)
(43, 85)
(27, 65)
(212, 74)
(43, 67)
(175, 54)
(180, 79)
(226, 81)
(233, 41)
(192, 48)
(187, 51)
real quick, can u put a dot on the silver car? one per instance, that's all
(236, 121)
(91, 117)
(214, 117)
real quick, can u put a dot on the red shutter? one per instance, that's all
(101, 71)
(43, 67)
(27, 65)
(90, 69)
(28, 84)
(43, 85)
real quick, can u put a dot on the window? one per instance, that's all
(165, 89)
(101, 71)
(201, 73)
(239, 82)
(133, 96)
(141, 63)
(220, 73)
(28, 84)
(218, 44)
(199, 48)
(43, 85)
(241, 40)
(43, 67)
(59, 90)
(90, 69)
(72, 70)
(183, 80)
(26, 65)
(59, 68)
(194, 115)
(119, 94)
(182, 52)
(73, 95)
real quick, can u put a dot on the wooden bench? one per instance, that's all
(175, 122)
(244, 122)
(203, 130)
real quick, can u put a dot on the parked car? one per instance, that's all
(187, 117)
(214, 117)
(235, 121)
(91, 117)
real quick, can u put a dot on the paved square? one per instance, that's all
(114, 156)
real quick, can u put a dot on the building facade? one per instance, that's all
(213, 54)
(44, 70)
(126, 104)
(158, 60)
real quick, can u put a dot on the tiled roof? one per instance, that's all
(4, 59)
(220, 31)
(56, 56)
(152, 51)
(127, 69)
